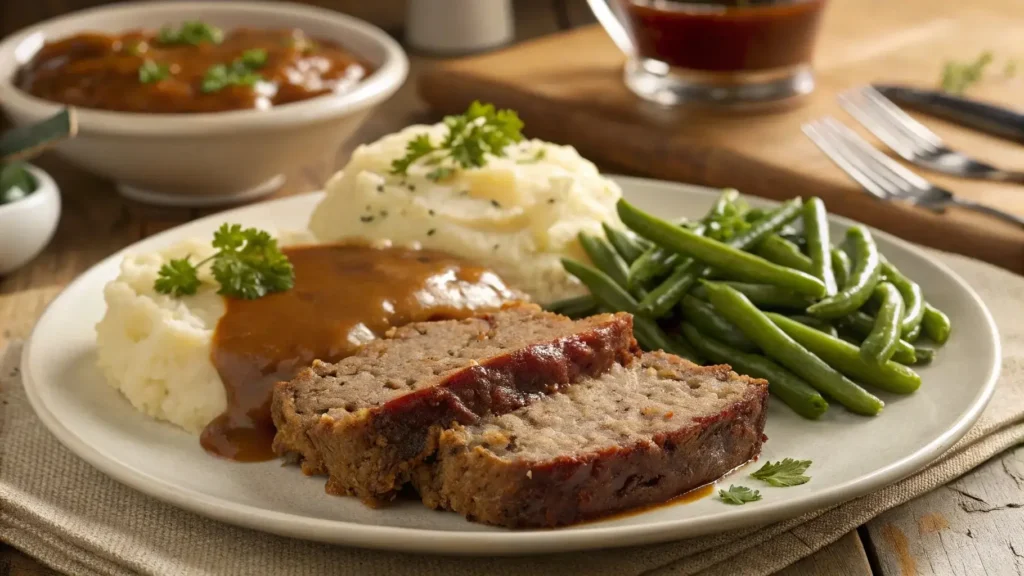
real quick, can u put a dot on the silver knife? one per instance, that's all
(988, 118)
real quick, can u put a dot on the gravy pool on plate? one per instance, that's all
(344, 296)
(194, 68)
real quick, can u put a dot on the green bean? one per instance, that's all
(861, 324)
(780, 347)
(936, 324)
(880, 344)
(859, 286)
(913, 299)
(615, 297)
(924, 355)
(628, 246)
(793, 391)
(656, 262)
(703, 316)
(762, 295)
(777, 249)
(816, 323)
(717, 254)
(576, 307)
(604, 258)
(818, 244)
(845, 357)
(840, 267)
(662, 298)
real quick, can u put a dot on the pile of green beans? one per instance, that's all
(767, 292)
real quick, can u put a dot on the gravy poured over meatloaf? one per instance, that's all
(344, 296)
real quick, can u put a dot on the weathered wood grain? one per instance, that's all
(972, 526)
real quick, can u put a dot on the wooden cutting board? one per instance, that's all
(568, 89)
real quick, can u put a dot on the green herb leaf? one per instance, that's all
(471, 136)
(254, 58)
(958, 76)
(178, 278)
(16, 182)
(738, 495)
(537, 157)
(239, 73)
(786, 472)
(191, 32)
(247, 265)
(150, 71)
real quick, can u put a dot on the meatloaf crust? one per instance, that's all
(634, 437)
(370, 419)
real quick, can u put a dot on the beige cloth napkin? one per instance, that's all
(58, 509)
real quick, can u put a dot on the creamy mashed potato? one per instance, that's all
(155, 348)
(518, 215)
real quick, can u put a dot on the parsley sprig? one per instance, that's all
(738, 495)
(240, 72)
(471, 136)
(247, 265)
(958, 76)
(150, 71)
(192, 32)
(785, 472)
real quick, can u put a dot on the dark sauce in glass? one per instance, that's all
(725, 36)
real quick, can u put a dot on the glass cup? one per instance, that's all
(720, 52)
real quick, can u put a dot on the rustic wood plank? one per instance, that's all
(844, 557)
(972, 526)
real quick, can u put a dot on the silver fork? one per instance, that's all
(913, 141)
(884, 177)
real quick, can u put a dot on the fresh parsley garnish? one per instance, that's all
(737, 495)
(241, 71)
(192, 32)
(150, 71)
(785, 472)
(247, 265)
(958, 76)
(471, 136)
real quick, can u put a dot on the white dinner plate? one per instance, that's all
(852, 455)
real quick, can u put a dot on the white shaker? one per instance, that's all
(458, 26)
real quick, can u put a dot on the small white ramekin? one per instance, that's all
(210, 158)
(27, 225)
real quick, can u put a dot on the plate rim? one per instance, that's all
(475, 543)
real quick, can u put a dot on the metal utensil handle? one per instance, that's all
(971, 205)
(612, 25)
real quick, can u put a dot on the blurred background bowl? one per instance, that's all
(28, 224)
(210, 158)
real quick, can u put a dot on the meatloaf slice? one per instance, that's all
(638, 435)
(369, 419)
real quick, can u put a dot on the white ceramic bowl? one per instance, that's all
(27, 225)
(210, 158)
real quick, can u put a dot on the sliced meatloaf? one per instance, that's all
(369, 419)
(638, 435)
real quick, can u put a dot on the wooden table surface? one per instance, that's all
(959, 529)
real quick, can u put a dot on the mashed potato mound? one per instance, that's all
(517, 215)
(155, 348)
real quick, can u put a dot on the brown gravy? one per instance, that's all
(344, 296)
(95, 70)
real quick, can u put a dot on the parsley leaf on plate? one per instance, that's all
(958, 76)
(786, 472)
(470, 137)
(177, 277)
(247, 265)
(737, 495)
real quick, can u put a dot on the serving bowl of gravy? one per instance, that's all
(200, 103)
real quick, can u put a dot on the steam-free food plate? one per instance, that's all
(852, 455)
